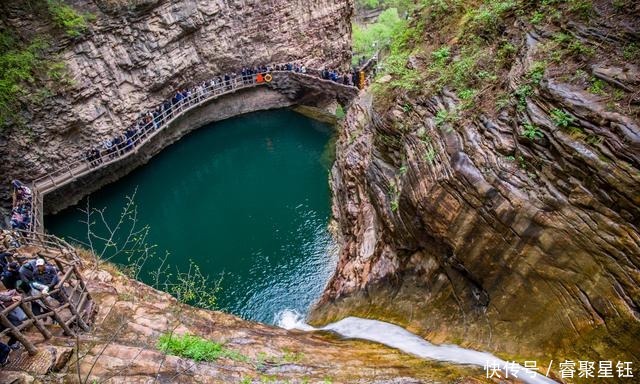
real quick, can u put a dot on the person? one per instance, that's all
(20, 217)
(11, 277)
(245, 75)
(9, 297)
(107, 145)
(3, 259)
(21, 193)
(4, 354)
(8, 240)
(15, 317)
(97, 156)
(40, 276)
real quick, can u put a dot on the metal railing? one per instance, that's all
(72, 288)
(80, 167)
(200, 95)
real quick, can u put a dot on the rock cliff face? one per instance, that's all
(122, 347)
(137, 53)
(285, 90)
(466, 230)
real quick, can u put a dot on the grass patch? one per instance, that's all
(531, 132)
(631, 52)
(564, 45)
(597, 86)
(561, 118)
(444, 119)
(196, 348)
(488, 20)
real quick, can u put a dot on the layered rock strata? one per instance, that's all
(468, 231)
(136, 54)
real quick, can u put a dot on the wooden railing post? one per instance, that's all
(65, 328)
(16, 333)
(74, 311)
(43, 330)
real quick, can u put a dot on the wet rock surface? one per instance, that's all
(122, 346)
(470, 232)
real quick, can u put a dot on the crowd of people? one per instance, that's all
(151, 120)
(342, 78)
(32, 277)
(21, 212)
(21, 217)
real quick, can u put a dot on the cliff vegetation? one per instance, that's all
(488, 193)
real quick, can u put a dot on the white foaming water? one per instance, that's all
(292, 319)
(397, 337)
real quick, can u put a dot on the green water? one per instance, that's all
(247, 197)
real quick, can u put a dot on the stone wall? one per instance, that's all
(137, 54)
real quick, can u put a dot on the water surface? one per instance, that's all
(247, 197)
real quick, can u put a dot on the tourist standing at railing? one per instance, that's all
(185, 98)
(245, 73)
(15, 317)
(20, 192)
(35, 272)
(166, 108)
(8, 297)
(22, 197)
(3, 259)
(45, 279)
(8, 240)
(106, 145)
(41, 278)
(130, 134)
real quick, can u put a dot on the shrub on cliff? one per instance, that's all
(20, 64)
(67, 18)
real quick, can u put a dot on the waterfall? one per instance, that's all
(399, 338)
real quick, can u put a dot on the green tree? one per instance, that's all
(379, 33)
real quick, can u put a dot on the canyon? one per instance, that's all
(505, 221)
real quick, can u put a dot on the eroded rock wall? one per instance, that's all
(468, 231)
(137, 53)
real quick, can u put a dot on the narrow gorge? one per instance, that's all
(380, 191)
